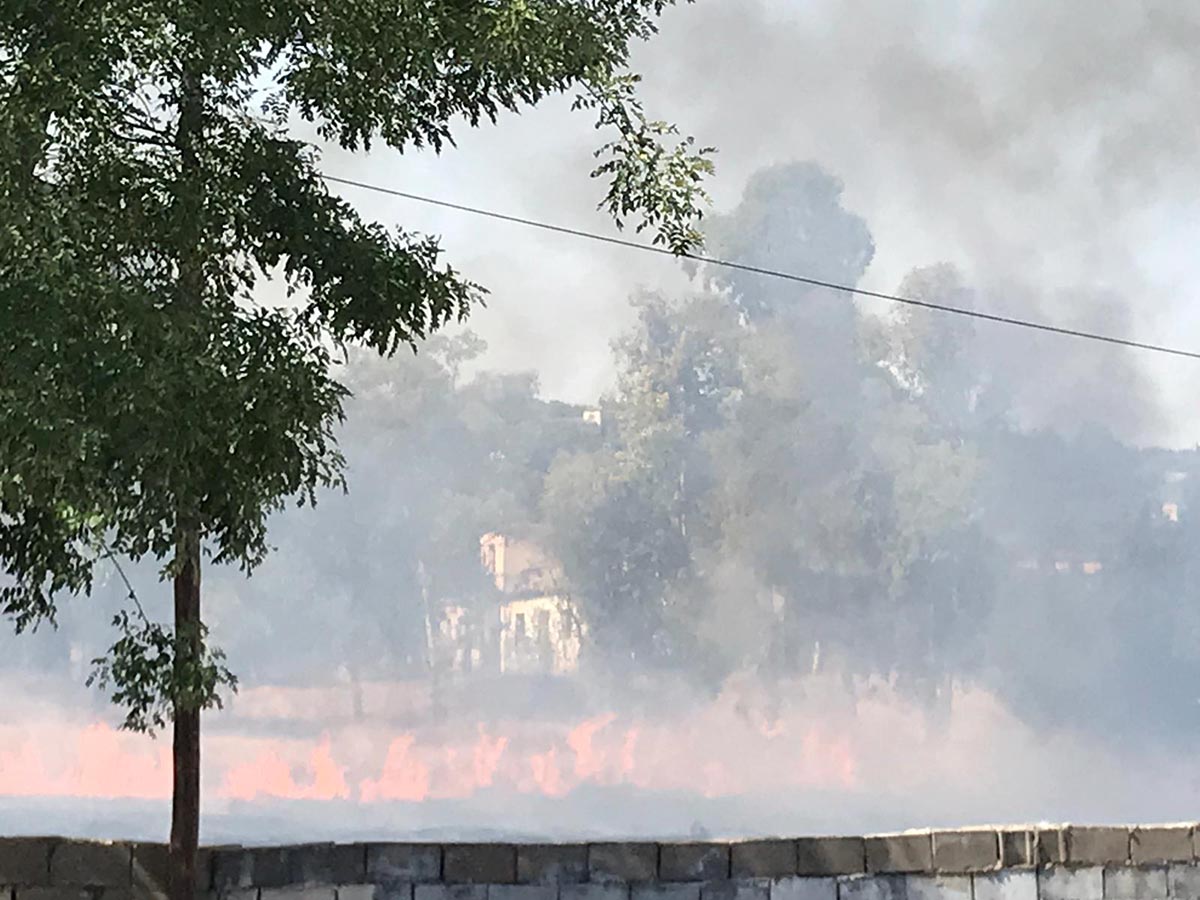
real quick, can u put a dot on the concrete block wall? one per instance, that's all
(1044, 863)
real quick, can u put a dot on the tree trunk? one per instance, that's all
(185, 799)
(185, 749)
(431, 647)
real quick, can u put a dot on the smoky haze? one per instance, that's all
(842, 567)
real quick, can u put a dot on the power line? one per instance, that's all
(772, 273)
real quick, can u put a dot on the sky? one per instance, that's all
(1044, 150)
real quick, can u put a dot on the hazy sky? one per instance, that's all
(1041, 147)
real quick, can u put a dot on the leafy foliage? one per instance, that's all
(148, 184)
(646, 178)
(763, 486)
(150, 672)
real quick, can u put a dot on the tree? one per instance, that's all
(435, 462)
(623, 518)
(768, 493)
(791, 217)
(149, 406)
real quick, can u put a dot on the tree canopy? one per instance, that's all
(141, 135)
(150, 405)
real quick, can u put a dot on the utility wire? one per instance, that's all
(773, 273)
(112, 557)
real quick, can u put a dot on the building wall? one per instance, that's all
(540, 628)
(518, 565)
(458, 644)
(539, 635)
(1050, 863)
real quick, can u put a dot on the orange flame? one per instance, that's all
(546, 774)
(704, 749)
(487, 757)
(98, 762)
(588, 764)
(268, 774)
(403, 777)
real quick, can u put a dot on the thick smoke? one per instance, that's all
(1043, 149)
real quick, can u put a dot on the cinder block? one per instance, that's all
(831, 856)
(1183, 881)
(1161, 845)
(872, 887)
(631, 863)
(798, 888)
(678, 891)
(763, 859)
(1128, 883)
(480, 863)
(693, 862)
(1018, 849)
(51, 893)
(269, 867)
(291, 866)
(938, 887)
(355, 892)
(298, 892)
(238, 894)
(900, 853)
(204, 870)
(450, 892)
(552, 864)
(327, 864)
(1019, 885)
(966, 851)
(1062, 883)
(404, 863)
(91, 864)
(393, 890)
(150, 868)
(232, 869)
(741, 889)
(1050, 846)
(1097, 846)
(25, 861)
(609, 891)
(522, 892)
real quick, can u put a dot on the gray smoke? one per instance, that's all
(1043, 149)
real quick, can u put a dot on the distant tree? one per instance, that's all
(149, 407)
(767, 490)
(612, 526)
(625, 518)
(436, 462)
(932, 353)
(791, 218)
